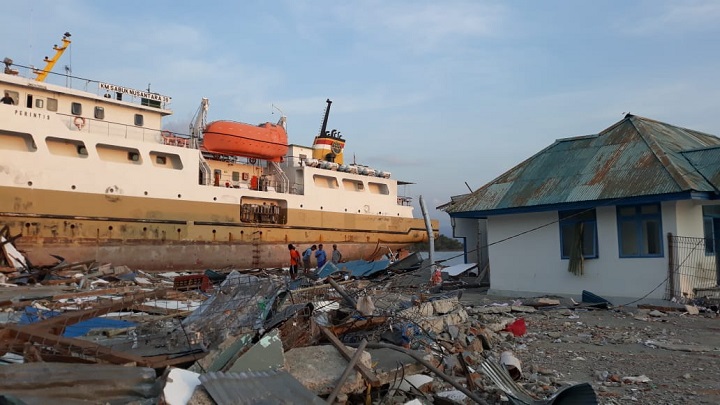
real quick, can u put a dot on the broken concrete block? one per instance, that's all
(445, 306)
(491, 310)
(319, 367)
(522, 308)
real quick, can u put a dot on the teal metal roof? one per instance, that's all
(635, 157)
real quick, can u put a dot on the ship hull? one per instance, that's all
(155, 234)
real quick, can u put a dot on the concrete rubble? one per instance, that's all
(124, 335)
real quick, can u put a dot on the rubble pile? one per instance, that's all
(259, 337)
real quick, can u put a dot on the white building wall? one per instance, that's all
(694, 268)
(689, 219)
(474, 232)
(530, 264)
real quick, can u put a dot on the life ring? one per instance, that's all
(79, 122)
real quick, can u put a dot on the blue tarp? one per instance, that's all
(355, 268)
(32, 315)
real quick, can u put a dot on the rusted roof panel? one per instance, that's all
(634, 157)
(707, 163)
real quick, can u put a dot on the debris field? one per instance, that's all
(97, 333)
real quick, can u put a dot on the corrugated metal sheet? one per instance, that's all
(634, 157)
(707, 162)
(261, 387)
(63, 383)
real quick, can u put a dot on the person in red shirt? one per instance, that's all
(294, 261)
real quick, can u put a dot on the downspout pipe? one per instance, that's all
(431, 237)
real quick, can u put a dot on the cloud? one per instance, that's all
(673, 17)
(423, 26)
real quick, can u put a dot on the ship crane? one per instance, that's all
(50, 62)
(198, 123)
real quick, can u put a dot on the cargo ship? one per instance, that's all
(92, 175)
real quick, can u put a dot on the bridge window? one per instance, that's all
(99, 113)
(76, 109)
(52, 104)
(139, 121)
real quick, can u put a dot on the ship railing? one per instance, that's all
(121, 130)
(205, 170)
(283, 182)
(101, 89)
(404, 201)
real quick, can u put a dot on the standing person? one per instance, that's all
(7, 99)
(321, 256)
(336, 255)
(307, 254)
(294, 261)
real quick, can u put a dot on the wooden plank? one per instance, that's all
(367, 374)
(83, 347)
(70, 318)
(92, 293)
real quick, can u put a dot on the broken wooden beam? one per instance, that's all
(367, 374)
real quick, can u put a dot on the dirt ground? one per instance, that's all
(629, 355)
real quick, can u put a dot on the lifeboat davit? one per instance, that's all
(265, 141)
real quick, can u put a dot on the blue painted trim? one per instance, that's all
(639, 200)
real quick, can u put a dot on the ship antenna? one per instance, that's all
(283, 119)
(325, 120)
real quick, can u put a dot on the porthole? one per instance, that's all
(110, 228)
(179, 195)
(30, 183)
(73, 187)
(146, 193)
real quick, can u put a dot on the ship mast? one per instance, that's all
(50, 62)
(325, 120)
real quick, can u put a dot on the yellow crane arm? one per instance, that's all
(50, 62)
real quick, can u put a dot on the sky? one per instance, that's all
(447, 95)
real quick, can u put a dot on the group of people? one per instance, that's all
(306, 258)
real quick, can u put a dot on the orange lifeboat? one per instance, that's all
(265, 141)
